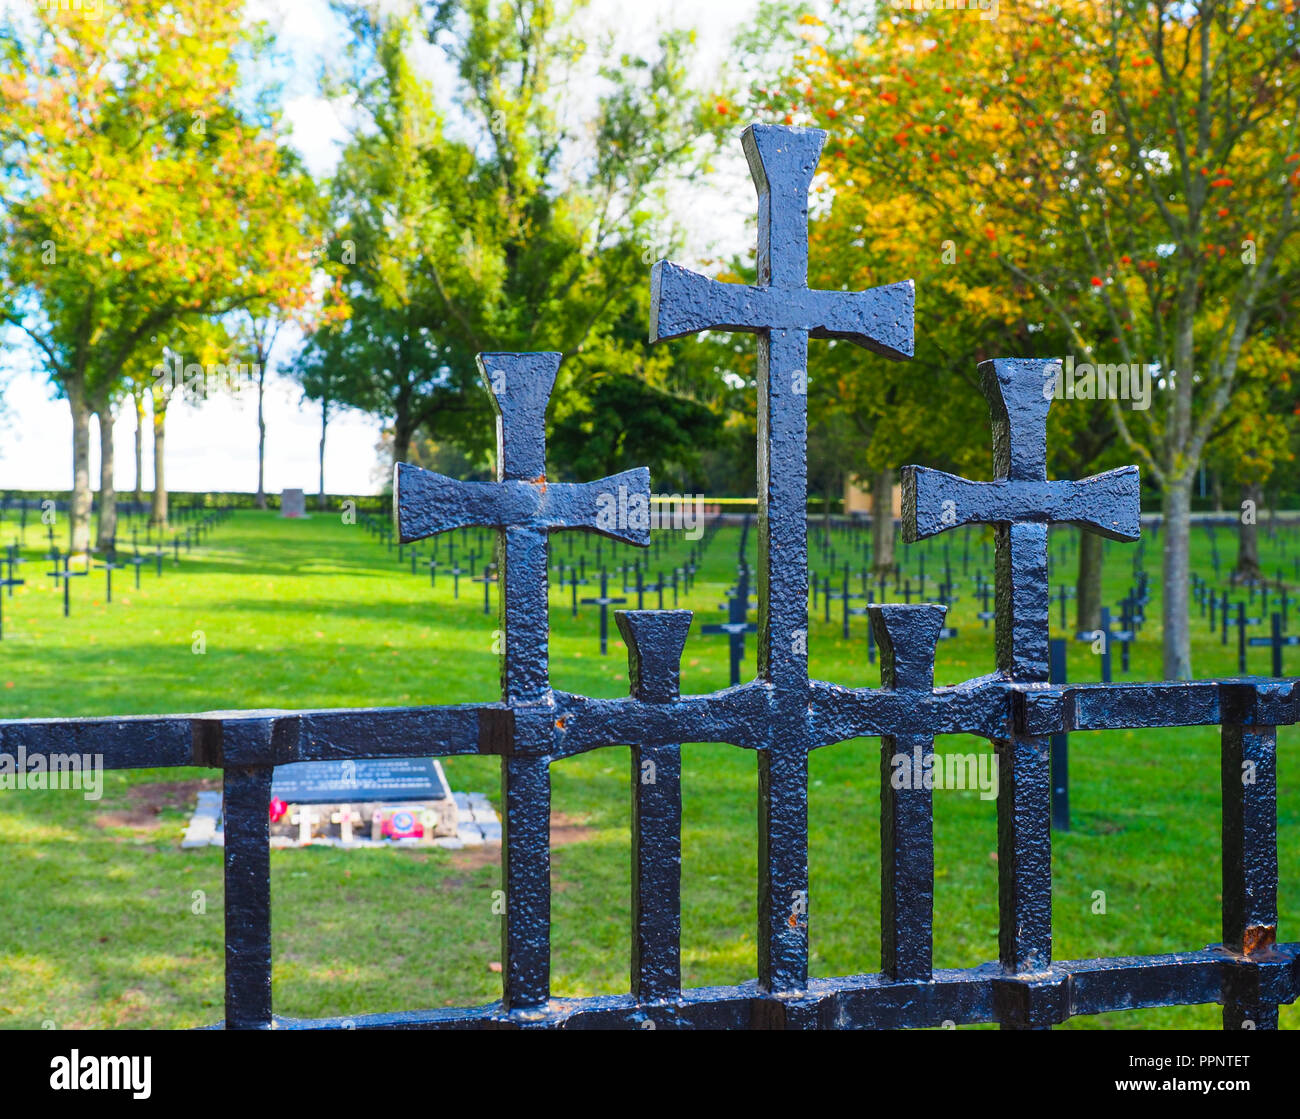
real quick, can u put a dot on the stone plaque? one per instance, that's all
(360, 782)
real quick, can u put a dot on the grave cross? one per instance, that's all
(735, 627)
(487, 579)
(345, 817)
(13, 558)
(985, 591)
(10, 582)
(306, 819)
(1276, 640)
(109, 565)
(67, 575)
(1063, 595)
(574, 584)
(604, 601)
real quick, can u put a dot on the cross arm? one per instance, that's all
(1106, 504)
(429, 503)
(683, 302)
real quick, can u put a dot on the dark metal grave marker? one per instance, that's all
(109, 565)
(67, 574)
(1276, 641)
(10, 582)
(735, 627)
(604, 601)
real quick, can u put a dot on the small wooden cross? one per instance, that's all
(305, 817)
(345, 818)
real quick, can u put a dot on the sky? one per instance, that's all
(215, 446)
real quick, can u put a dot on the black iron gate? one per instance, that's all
(782, 715)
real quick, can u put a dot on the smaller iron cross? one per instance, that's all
(1021, 503)
(524, 507)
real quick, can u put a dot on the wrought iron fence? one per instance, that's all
(782, 715)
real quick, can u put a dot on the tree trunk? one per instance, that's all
(324, 420)
(158, 514)
(261, 438)
(138, 398)
(1177, 508)
(1087, 587)
(106, 538)
(402, 432)
(1248, 533)
(79, 508)
(882, 521)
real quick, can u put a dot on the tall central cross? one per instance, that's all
(525, 508)
(1022, 503)
(784, 312)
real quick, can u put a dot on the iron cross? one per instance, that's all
(525, 508)
(1021, 503)
(784, 312)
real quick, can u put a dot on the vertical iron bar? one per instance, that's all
(1249, 779)
(247, 861)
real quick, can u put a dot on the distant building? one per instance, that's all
(857, 499)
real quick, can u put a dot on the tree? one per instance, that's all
(497, 239)
(140, 167)
(1130, 165)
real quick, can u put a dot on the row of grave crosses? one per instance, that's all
(784, 313)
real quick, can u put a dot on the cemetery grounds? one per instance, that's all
(108, 923)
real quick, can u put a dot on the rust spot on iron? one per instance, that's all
(559, 723)
(1257, 938)
(540, 480)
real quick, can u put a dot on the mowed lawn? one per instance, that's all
(106, 922)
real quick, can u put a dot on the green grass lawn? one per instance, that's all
(106, 922)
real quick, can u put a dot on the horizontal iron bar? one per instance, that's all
(988, 707)
(956, 996)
